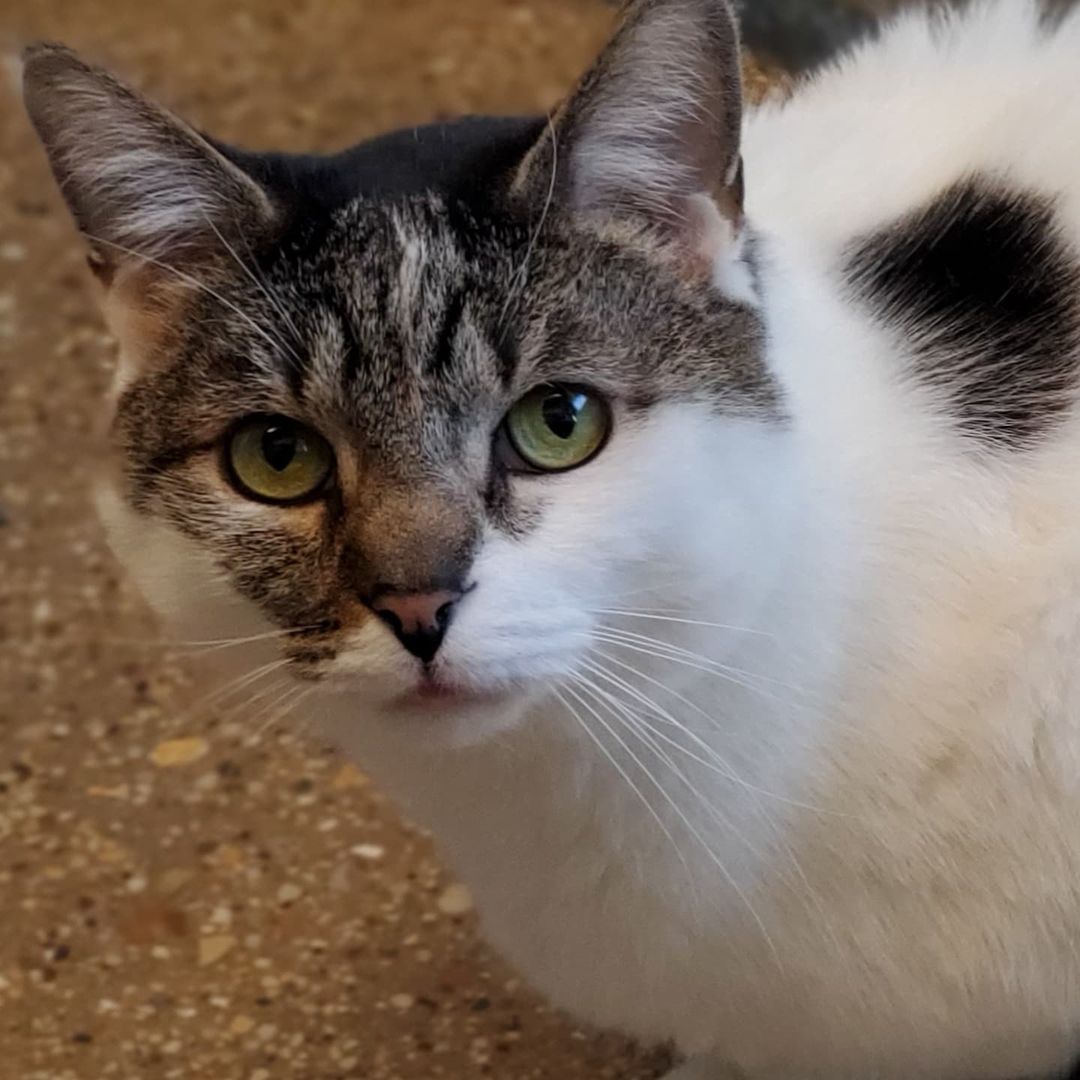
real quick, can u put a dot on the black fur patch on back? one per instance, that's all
(988, 293)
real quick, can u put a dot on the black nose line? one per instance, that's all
(390, 619)
(424, 642)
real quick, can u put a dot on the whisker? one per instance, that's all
(694, 831)
(722, 766)
(230, 688)
(189, 280)
(275, 302)
(288, 701)
(718, 764)
(645, 639)
(207, 645)
(649, 735)
(672, 619)
(517, 282)
(253, 703)
(621, 643)
(653, 813)
(778, 834)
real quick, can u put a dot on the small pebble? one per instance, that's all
(241, 1025)
(174, 752)
(455, 900)
(213, 947)
(371, 852)
(174, 880)
(348, 776)
(289, 893)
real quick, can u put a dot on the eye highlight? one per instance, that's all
(556, 427)
(275, 459)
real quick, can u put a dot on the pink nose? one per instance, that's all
(419, 619)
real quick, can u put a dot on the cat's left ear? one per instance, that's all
(145, 188)
(652, 131)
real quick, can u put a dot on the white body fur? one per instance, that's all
(891, 886)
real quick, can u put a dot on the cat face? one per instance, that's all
(424, 422)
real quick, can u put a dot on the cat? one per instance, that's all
(698, 559)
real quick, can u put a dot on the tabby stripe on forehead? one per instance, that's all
(296, 372)
(507, 349)
(442, 354)
(352, 355)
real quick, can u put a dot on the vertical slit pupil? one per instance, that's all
(279, 447)
(560, 411)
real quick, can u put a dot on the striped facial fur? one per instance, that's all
(395, 304)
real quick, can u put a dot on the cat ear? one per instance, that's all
(141, 184)
(652, 131)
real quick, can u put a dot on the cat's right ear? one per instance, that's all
(651, 134)
(145, 188)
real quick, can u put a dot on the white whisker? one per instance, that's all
(646, 639)
(718, 763)
(517, 281)
(651, 736)
(622, 643)
(802, 885)
(681, 814)
(275, 302)
(194, 282)
(234, 686)
(288, 701)
(207, 645)
(661, 824)
(672, 619)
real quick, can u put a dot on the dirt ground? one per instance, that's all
(186, 891)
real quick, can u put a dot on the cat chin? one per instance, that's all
(452, 719)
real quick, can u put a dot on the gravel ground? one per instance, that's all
(189, 889)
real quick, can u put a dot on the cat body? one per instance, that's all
(757, 731)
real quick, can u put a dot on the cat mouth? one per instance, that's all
(432, 694)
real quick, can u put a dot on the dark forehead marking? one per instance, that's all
(986, 291)
(462, 159)
(352, 360)
(442, 353)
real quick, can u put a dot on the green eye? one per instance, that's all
(278, 460)
(555, 427)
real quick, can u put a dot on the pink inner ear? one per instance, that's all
(706, 235)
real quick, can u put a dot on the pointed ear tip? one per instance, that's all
(40, 59)
(713, 23)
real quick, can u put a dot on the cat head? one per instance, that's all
(414, 415)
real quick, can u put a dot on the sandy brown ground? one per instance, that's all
(186, 892)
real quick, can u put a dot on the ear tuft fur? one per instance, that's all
(654, 124)
(139, 181)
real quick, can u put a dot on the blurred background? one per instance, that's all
(189, 887)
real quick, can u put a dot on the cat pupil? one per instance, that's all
(560, 412)
(279, 448)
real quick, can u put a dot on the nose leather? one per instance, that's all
(418, 619)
